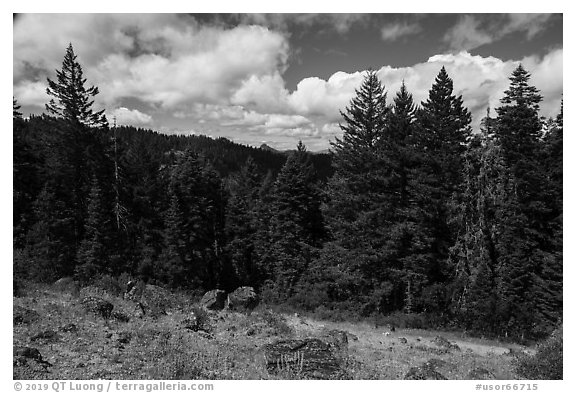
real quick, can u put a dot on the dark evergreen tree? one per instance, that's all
(443, 133)
(197, 202)
(527, 247)
(296, 222)
(72, 100)
(357, 213)
(474, 291)
(77, 141)
(351, 217)
(518, 125)
(177, 266)
(93, 251)
(243, 224)
(49, 250)
(404, 239)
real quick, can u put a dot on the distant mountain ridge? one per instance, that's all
(225, 155)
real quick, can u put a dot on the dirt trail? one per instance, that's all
(368, 335)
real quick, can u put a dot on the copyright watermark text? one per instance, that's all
(111, 386)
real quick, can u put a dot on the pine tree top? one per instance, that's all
(365, 118)
(440, 95)
(72, 100)
(443, 115)
(519, 92)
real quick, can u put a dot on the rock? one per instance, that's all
(337, 338)
(47, 335)
(214, 300)
(423, 372)
(206, 335)
(242, 299)
(28, 352)
(69, 328)
(120, 316)
(309, 358)
(98, 306)
(403, 340)
(480, 373)
(23, 354)
(124, 337)
(67, 285)
(444, 343)
(24, 316)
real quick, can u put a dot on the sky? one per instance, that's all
(280, 78)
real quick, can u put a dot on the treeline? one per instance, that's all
(412, 213)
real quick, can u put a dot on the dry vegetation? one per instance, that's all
(77, 344)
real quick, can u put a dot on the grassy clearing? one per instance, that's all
(229, 346)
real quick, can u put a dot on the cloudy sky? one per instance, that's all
(279, 78)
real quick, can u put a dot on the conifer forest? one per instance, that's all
(411, 212)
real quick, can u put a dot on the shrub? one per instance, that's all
(547, 362)
(203, 318)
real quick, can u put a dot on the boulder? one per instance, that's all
(28, 353)
(120, 316)
(242, 299)
(98, 306)
(46, 336)
(337, 338)
(214, 300)
(309, 358)
(123, 338)
(67, 285)
(69, 328)
(444, 343)
(24, 316)
(23, 354)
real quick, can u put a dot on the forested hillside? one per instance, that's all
(413, 212)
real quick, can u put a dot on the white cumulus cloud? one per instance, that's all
(163, 60)
(125, 116)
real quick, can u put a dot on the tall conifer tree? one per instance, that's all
(72, 100)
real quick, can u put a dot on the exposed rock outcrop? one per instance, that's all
(309, 358)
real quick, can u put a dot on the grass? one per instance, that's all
(228, 347)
